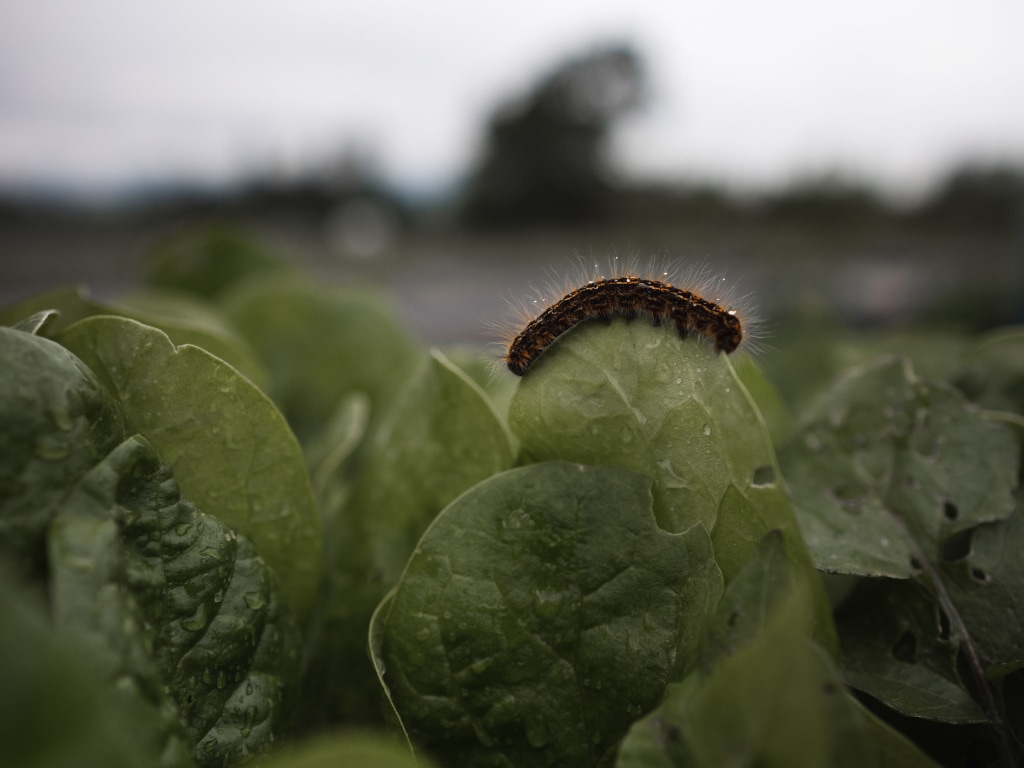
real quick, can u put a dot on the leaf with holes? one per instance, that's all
(892, 468)
(640, 397)
(898, 646)
(764, 694)
(900, 477)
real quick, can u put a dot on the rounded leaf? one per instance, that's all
(230, 448)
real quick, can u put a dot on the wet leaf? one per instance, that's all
(901, 477)
(772, 697)
(185, 321)
(440, 438)
(56, 711)
(57, 422)
(175, 608)
(230, 448)
(898, 647)
(891, 463)
(541, 613)
(639, 397)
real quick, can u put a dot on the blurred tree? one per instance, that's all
(830, 200)
(544, 162)
(990, 197)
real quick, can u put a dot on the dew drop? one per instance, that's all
(62, 419)
(250, 718)
(197, 620)
(51, 450)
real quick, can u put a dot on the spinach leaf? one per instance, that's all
(185, 320)
(765, 694)
(57, 422)
(358, 750)
(230, 448)
(55, 710)
(541, 613)
(321, 344)
(441, 437)
(896, 476)
(175, 607)
(640, 397)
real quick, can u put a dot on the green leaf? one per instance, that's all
(987, 587)
(337, 443)
(55, 711)
(902, 646)
(57, 422)
(753, 599)
(349, 750)
(230, 448)
(897, 476)
(890, 463)
(185, 320)
(488, 372)
(896, 648)
(777, 416)
(321, 344)
(993, 371)
(36, 322)
(178, 610)
(776, 700)
(639, 397)
(440, 438)
(541, 613)
(207, 260)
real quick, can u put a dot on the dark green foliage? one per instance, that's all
(269, 514)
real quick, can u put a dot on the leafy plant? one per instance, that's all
(247, 514)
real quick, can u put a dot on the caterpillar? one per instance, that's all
(629, 295)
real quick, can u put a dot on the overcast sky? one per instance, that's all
(96, 94)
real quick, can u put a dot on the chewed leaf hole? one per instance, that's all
(957, 547)
(905, 649)
(764, 475)
(916, 564)
(949, 510)
(980, 575)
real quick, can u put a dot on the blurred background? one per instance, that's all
(862, 159)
